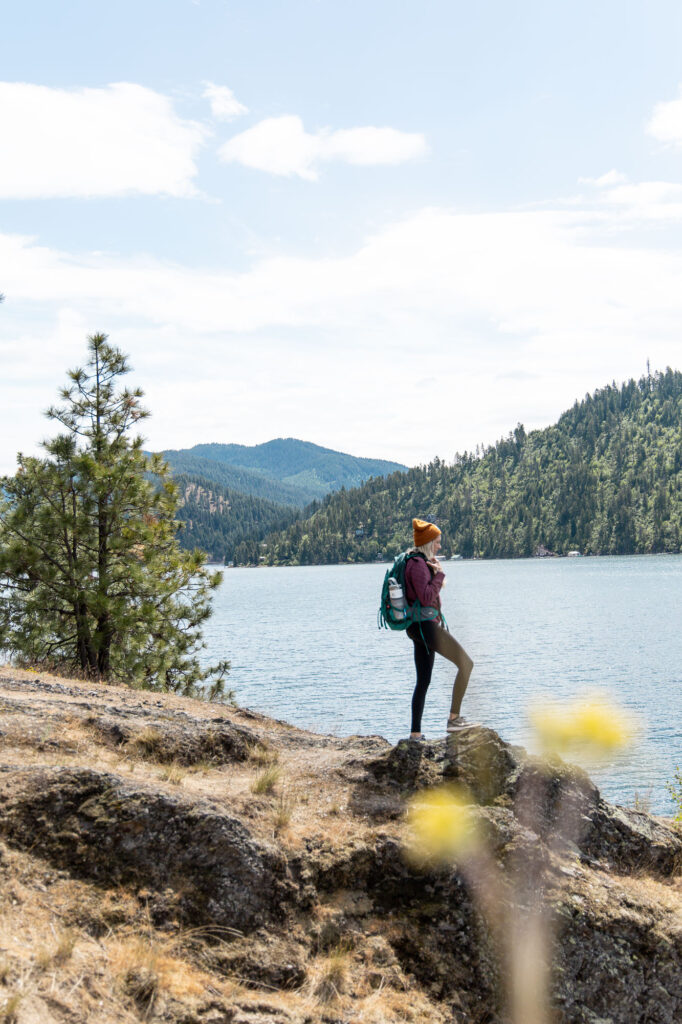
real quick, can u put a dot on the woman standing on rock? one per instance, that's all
(424, 578)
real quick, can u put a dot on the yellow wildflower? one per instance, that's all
(443, 826)
(594, 727)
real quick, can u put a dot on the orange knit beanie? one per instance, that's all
(423, 532)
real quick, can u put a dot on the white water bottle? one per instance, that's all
(397, 599)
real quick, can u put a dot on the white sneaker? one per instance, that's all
(460, 723)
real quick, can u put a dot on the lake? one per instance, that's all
(305, 647)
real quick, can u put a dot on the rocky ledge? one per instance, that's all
(168, 860)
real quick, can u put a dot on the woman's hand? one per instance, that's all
(434, 565)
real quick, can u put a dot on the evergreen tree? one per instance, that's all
(92, 577)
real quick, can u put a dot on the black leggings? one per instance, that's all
(438, 640)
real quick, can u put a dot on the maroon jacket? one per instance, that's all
(421, 584)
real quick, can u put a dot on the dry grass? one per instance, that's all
(9, 1009)
(202, 767)
(363, 992)
(321, 814)
(122, 977)
(136, 964)
(173, 773)
(332, 974)
(145, 965)
(362, 1001)
(263, 755)
(146, 743)
(42, 958)
(59, 953)
(63, 736)
(265, 782)
(386, 1004)
(284, 808)
(115, 980)
(654, 893)
(66, 942)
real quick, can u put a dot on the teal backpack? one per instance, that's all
(394, 611)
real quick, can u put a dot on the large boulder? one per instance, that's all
(381, 784)
(195, 863)
(481, 761)
(632, 841)
(560, 804)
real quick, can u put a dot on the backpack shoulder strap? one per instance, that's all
(400, 564)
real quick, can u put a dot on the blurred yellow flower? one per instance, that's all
(443, 826)
(593, 727)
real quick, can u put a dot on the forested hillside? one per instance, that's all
(234, 478)
(233, 495)
(225, 523)
(285, 470)
(605, 479)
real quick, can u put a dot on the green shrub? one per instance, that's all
(675, 790)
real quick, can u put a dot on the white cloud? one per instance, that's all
(639, 201)
(281, 145)
(224, 103)
(666, 122)
(515, 314)
(650, 200)
(368, 146)
(612, 177)
(120, 140)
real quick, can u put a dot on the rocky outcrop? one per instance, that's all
(560, 803)
(299, 897)
(197, 865)
(168, 739)
(632, 841)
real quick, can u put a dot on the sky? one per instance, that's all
(395, 229)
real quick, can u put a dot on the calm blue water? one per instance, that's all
(304, 647)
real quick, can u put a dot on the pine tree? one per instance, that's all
(92, 577)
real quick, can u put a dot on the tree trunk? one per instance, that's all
(105, 632)
(86, 651)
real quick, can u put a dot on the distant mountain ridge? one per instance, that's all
(284, 470)
(245, 481)
(233, 495)
(605, 479)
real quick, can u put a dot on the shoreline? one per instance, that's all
(516, 558)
